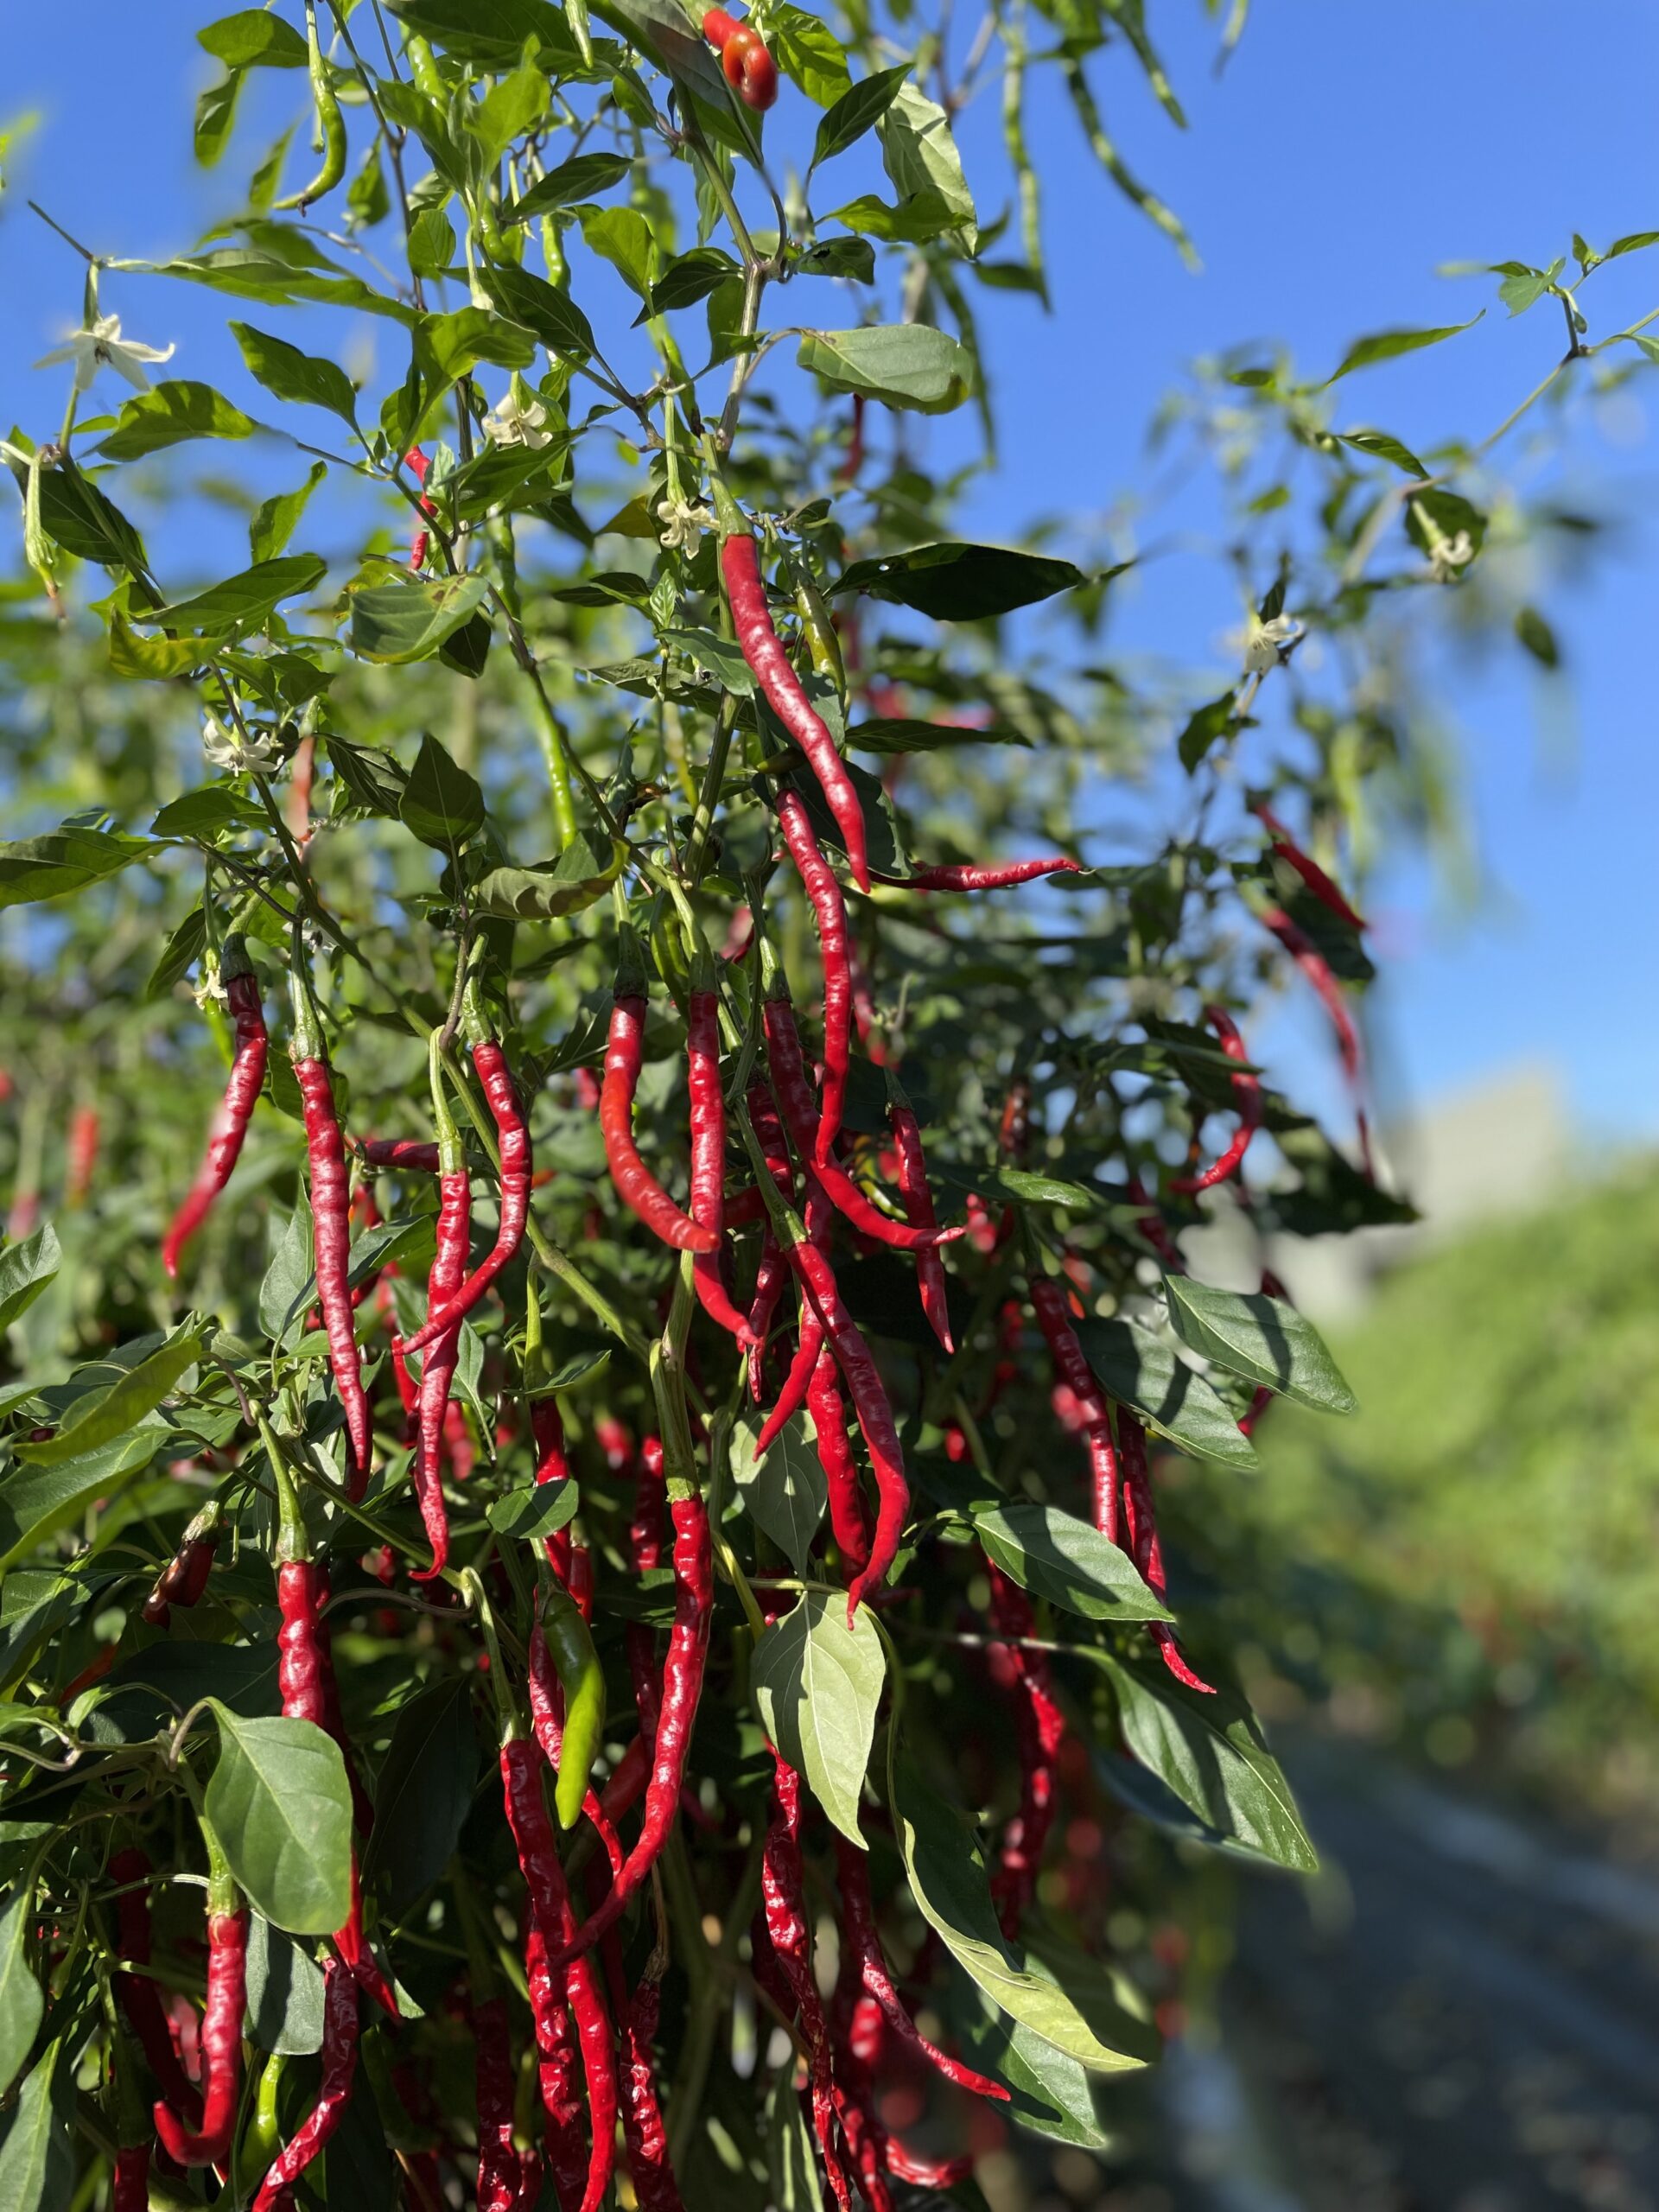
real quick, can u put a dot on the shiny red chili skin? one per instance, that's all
(500, 2172)
(235, 1111)
(789, 1930)
(408, 1156)
(138, 1997)
(1048, 1303)
(1039, 1726)
(918, 1211)
(512, 1140)
(130, 2188)
(438, 1366)
(183, 1580)
(848, 1522)
(1143, 1546)
(1247, 1091)
(717, 27)
(557, 2053)
(339, 2040)
(750, 70)
(829, 911)
(655, 2189)
(708, 1158)
(330, 1215)
(771, 1272)
(993, 875)
(636, 1186)
(221, 2049)
(1320, 974)
(682, 1672)
(796, 1383)
(1285, 848)
(740, 566)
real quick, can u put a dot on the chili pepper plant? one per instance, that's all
(601, 1123)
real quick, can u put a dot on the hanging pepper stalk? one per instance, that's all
(230, 1123)
(221, 2023)
(762, 648)
(1285, 848)
(438, 1362)
(339, 2039)
(330, 122)
(636, 1186)
(512, 1135)
(1320, 974)
(331, 1225)
(1247, 1088)
(1143, 1546)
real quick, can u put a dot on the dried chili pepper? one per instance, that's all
(438, 1363)
(829, 911)
(708, 1144)
(636, 1186)
(331, 1226)
(1247, 1090)
(995, 875)
(1143, 1546)
(421, 543)
(919, 1208)
(746, 591)
(339, 2035)
(1285, 848)
(1092, 1413)
(209, 2145)
(183, 1580)
(1040, 1727)
(137, 1996)
(501, 2171)
(1320, 974)
(235, 1111)
(790, 1931)
(557, 2054)
(655, 2189)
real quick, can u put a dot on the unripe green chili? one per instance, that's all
(576, 1664)
(261, 2138)
(818, 626)
(330, 122)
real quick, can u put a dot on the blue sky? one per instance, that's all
(1350, 148)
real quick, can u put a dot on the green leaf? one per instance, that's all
(689, 279)
(491, 33)
(77, 515)
(203, 813)
(526, 298)
(817, 1684)
(375, 780)
(448, 345)
(792, 2160)
(533, 1510)
(20, 2002)
(809, 54)
(103, 1417)
(169, 414)
(1140, 1370)
(284, 1295)
(916, 220)
(150, 660)
(1076, 2008)
(1390, 344)
(1206, 726)
(26, 1269)
(623, 237)
(1635, 243)
(251, 38)
(247, 273)
(1049, 2093)
(37, 2169)
(442, 805)
(280, 1805)
(1537, 637)
(179, 955)
(284, 1991)
(960, 584)
(1037, 1190)
(215, 118)
(1264, 1339)
(853, 258)
(584, 176)
(890, 734)
(509, 109)
(431, 242)
(907, 366)
(35, 1502)
(858, 110)
(1211, 1752)
(292, 375)
(400, 622)
(787, 1491)
(1384, 448)
(424, 1791)
(244, 602)
(278, 517)
(582, 873)
(1067, 1560)
(919, 155)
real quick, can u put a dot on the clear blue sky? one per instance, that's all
(1349, 147)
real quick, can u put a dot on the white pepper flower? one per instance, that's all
(103, 347)
(520, 419)
(1449, 556)
(1266, 644)
(227, 747)
(683, 526)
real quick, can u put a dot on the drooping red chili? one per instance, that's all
(1093, 1414)
(331, 1229)
(438, 1362)
(918, 1208)
(220, 2039)
(1320, 974)
(745, 591)
(419, 545)
(859, 1932)
(183, 1580)
(503, 2171)
(636, 1186)
(991, 875)
(790, 1930)
(131, 2189)
(1143, 1546)
(682, 1672)
(1039, 1729)
(848, 1522)
(709, 1146)
(1246, 1091)
(339, 2039)
(138, 1997)
(409, 1155)
(750, 70)
(643, 2134)
(829, 910)
(1285, 848)
(235, 1110)
(771, 1272)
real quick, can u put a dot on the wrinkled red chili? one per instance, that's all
(220, 2041)
(183, 1580)
(339, 2039)
(139, 1999)
(331, 1228)
(1048, 1303)
(411, 1155)
(636, 1186)
(235, 1111)
(829, 911)
(438, 1362)
(790, 1931)
(709, 1146)
(1143, 1546)
(1039, 1729)
(994, 875)
(918, 1208)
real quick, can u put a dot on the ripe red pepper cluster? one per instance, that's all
(750, 70)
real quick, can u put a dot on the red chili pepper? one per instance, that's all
(848, 1522)
(858, 2034)
(139, 1999)
(709, 1146)
(860, 1933)
(419, 467)
(683, 1671)
(502, 2172)
(753, 75)
(331, 1224)
(1041, 1729)
(1143, 1546)
(409, 1155)
(717, 27)
(130, 2191)
(557, 2054)
(438, 1363)
(739, 565)
(81, 1147)
(918, 1208)
(547, 1723)
(1092, 1414)
(1319, 973)
(636, 1186)
(183, 1580)
(1286, 848)
(220, 2039)
(773, 1270)
(230, 1123)
(655, 2189)
(830, 912)
(995, 875)
(1247, 1088)
(790, 1931)
(339, 2035)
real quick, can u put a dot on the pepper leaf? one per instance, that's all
(21, 2001)
(291, 375)
(860, 107)
(818, 1683)
(441, 803)
(284, 1991)
(246, 601)
(424, 1790)
(1059, 1557)
(280, 1805)
(1390, 344)
(1264, 1339)
(26, 1269)
(1140, 1370)
(582, 874)
(399, 623)
(103, 1417)
(787, 1491)
(169, 414)
(908, 366)
(961, 583)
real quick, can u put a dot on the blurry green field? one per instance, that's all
(1477, 1551)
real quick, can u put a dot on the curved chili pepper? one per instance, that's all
(829, 910)
(1040, 1727)
(740, 566)
(708, 1146)
(235, 1111)
(340, 2036)
(130, 2187)
(331, 1225)
(183, 1580)
(847, 1520)
(330, 122)
(655, 2189)
(582, 1680)
(918, 1208)
(419, 545)
(1143, 1546)
(796, 1383)
(859, 2028)
(790, 1931)
(506, 2178)
(1247, 1090)
(636, 1186)
(772, 1271)
(1285, 848)
(1091, 1413)
(547, 1723)
(220, 2038)
(139, 1999)
(1320, 974)
(645, 1552)
(862, 1934)
(683, 1671)
(995, 875)
(409, 1155)
(556, 2053)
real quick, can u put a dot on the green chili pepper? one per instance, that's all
(261, 2138)
(576, 1664)
(330, 122)
(817, 626)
